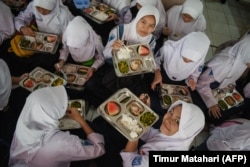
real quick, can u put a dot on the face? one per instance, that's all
(42, 10)
(145, 26)
(186, 60)
(171, 120)
(187, 18)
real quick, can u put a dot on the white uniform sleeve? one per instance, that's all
(24, 17)
(133, 159)
(64, 52)
(149, 134)
(195, 74)
(203, 88)
(87, 149)
(125, 16)
(107, 52)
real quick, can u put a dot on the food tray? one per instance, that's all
(128, 114)
(134, 60)
(75, 75)
(40, 78)
(228, 97)
(66, 122)
(42, 42)
(15, 4)
(171, 93)
(98, 12)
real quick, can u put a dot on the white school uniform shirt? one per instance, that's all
(81, 41)
(5, 84)
(162, 22)
(246, 90)
(7, 28)
(54, 22)
(38, 142)
(178, 27)
(123, 9)
(232, 135)
(234, 60)
(129, 34)
(193, 46)
(192, 121)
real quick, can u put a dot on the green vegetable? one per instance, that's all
(123, 67)
(167, 100)
(75, 104)
(223, 105)
(25, 43)
(147, 119)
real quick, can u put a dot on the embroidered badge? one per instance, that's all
(137, 161)
(111, 37)
(86, 143)
(200, 68)
(211, 73)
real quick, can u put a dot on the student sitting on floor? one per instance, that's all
(51, 16)
(39, 142)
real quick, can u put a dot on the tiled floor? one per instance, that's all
(225, 21)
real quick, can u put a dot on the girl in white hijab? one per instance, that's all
(183, 19)
(224, 69)
(133, 34)
(180, 125)
(158, 4)
(182, 60)
(7, 28)
(51, 16)
(84, 45)
(38, 141)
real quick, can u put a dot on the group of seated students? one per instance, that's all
(29, 120)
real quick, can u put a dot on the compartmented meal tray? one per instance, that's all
(40, 78)
(128, 114)
(66, 122)
(171, 93)
(98, 12)
(42, 42)
(133, 60)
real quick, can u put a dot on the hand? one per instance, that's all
(90, 72)
(144, 97)
(192, 84)
(74, 114)
(27, 31)
(16, 80)
(214, 111)
(117, 44)
(166, 31)
(113, 16)
(157, 79)
(58, 66)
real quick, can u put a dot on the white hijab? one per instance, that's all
(38, 120)
(118, 4)
(192, 121)
(230, 64)
(54, 22)
(5, 84)
(181, 28)
(158, 4)
(193, 46)
(130, 34)
(192, 7)
(234, 137)
(81, 40)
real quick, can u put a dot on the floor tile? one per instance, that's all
(216, 16)
(219, 38)
(220, 28)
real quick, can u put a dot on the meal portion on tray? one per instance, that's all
(42, 42)
(40, 78)
(98, 12)
(133, 60)
(75, 75)
(171, 93)
(228, 97)
(66, 122)
(128, 114)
